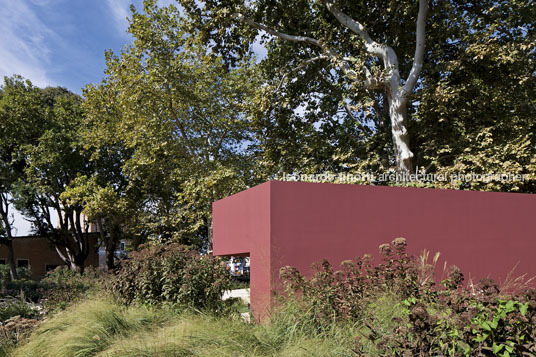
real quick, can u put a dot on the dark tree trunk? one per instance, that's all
(11, 260)
(110, 251)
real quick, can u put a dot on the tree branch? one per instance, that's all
(419, 49)
(385, 52)
(371, 46)
(275, 33)
(330, 53)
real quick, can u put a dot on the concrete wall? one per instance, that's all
(295, 223)
(40, 252)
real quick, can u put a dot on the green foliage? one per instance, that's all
(171, 274)
(85, 329)
(394, 320)
(176, 115)
(97, 327)
(473, 108)
(42, 156)
(11, 307)
(476, 107)
(65, 287)
(24, 287)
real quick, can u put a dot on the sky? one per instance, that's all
(61, 43)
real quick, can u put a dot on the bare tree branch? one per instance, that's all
(418, 58)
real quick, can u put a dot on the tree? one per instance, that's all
(351, 56)
(114, 215)
(179, 113)
(52, 162)
(477, 108)
(20, 123)
(325, 79)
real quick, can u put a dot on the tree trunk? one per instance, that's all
(399, 123)
(209, 247)
(8, 241)
(110, 251)
(11, 260)
(80, 264)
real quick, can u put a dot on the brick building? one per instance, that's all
(41, 256)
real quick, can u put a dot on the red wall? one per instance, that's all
(296, 223)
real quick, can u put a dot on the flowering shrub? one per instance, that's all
(435, 319)
(334, 295)
(171, 274)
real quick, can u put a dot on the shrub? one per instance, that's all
(10, 307)
(25, 289)
(171, 274)
(24, 273)
(341, 295)
(432, 319)
(65, 286)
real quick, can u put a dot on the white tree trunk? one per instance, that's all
(399, 131)
(396, 91)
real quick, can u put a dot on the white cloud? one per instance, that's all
(23, 48)
(119, 10)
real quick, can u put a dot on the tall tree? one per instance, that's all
(331, 43)
(109, 207)
(477, 105)
(21, 117)
(333, 81)
(180, 112)
(51, 164)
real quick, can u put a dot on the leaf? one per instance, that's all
(497, 348)
(523, 308)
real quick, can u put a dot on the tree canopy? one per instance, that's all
(475, 54)
(180, 114)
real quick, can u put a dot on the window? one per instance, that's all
(2, 261)
(50, 267)
(22, 263)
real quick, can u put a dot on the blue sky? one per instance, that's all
(61, 42)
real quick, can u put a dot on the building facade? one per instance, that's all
(39, 254)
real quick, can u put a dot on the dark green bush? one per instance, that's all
(24, 273)
(171, 274)
(23, 287)
(65, 286)
(27, 289)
